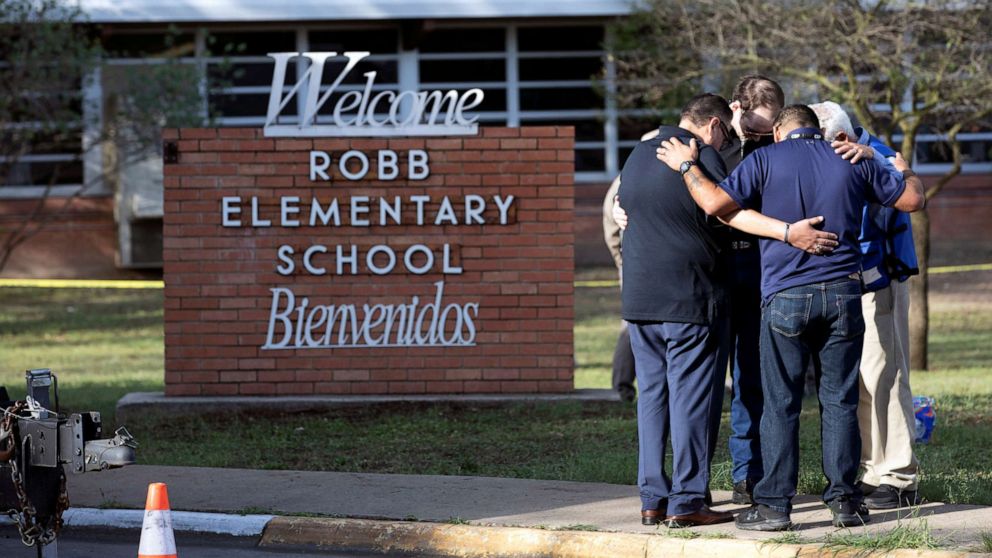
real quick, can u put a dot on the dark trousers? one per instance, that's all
(745, 365)
(623, 365)
(677, 367)
(821, 322)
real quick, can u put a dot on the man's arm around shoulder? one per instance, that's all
(914, 196)
(704, 191)
(715, 201)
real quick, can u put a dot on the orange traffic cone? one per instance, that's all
(157, 539)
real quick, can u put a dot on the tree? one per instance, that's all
(50, 55)
(902, 68)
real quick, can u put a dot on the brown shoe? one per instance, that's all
(652, 517)
(702, 516)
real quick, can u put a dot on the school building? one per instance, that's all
(539, 62)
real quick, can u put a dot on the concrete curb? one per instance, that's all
(196, 522)
(471, 541)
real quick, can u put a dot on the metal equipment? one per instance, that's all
(37, 444)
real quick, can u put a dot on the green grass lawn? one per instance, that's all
(101, 343)
(104, 343)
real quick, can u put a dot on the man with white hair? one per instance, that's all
(885, 409)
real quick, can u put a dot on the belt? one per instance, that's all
(856, 276)
(741, 244)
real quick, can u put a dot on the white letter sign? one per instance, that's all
(408, 113)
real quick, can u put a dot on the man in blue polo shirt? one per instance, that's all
(811, 304)
(885, 409)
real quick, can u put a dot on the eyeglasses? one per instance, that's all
(752, 135)
(748, 119)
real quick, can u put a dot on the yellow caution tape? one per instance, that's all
(81, 284)
(957, 268)
(597, 284)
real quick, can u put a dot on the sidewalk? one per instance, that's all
(456, 501)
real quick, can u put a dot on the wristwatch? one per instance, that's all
(685, 166)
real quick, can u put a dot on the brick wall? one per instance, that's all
(74, 242)
(218, 297)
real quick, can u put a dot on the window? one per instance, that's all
(54, 161)
(240, 74)
(531, 74)
(460, 41)
(572, 38)
(50, 127)
(149, 45)
(562, 75)
(464, 58)
(976, 151)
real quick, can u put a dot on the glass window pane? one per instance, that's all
(239, 75)
(43, 173)
(977, 151)
(376, 41)
(146, 240)
(47, 143)
(545, 69)
(493, 100)
(585, 130)
(972, 151)
(632, 128)
(433, 71)
(145, 45)
(560, 99)
(560, 38)
(245, 105)
(491, 39)
(933, 152)
(251, 44)
(590, 160)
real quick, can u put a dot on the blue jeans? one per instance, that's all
(676, 364)
(745, 363)
(821, 322)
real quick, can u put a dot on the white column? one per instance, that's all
(408, 72)
(201, 64)
(610, 126)
(512, 79)
(302, 45)
(92, 154)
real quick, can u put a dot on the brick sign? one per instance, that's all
(368, 266)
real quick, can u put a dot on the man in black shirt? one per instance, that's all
(675, 300)
(674, 296)
(755, 104)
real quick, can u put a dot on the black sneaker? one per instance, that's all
(847, 513)
(866, 488)
(760, 517)
(888, 497)
(743, 492)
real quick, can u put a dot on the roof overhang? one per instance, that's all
(152, 11)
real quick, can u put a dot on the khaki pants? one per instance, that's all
(885, 410)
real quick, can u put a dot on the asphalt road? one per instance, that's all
(124, 544)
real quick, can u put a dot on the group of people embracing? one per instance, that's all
(775, 237)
